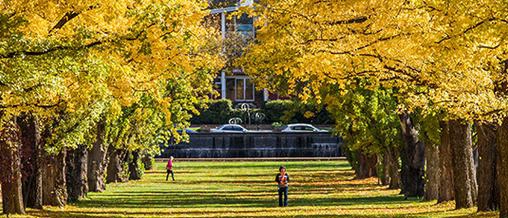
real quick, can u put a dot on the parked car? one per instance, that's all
(229, 128)
(301, 127)
(188, 131)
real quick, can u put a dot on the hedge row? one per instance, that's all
(278, 111)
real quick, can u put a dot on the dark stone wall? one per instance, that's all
(226, 145)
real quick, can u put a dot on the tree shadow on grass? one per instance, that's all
(221, 200)
(312, 186)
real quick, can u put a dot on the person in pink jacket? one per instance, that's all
(169, 168)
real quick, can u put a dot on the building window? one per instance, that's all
(244, 89)
(245, 25)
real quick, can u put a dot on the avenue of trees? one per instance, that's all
(88, 89)
(418, 89)
(415, 87)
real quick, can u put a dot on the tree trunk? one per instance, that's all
(148, 162)
(446, 188)
(77, 169)
(390, 169)
(366, 166)
(432, 162)
(463, 166)
(502, 172)
(412, 158)
(97, 161)
(385, 178)
(10, 173)
(488, 190)
(394, 167)
(54, 184)
(135, 170)
(117, 171)
(31, 158)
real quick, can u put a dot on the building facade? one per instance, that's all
(234, 84)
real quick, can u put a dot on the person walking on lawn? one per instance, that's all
(169, 169)
(282, 179)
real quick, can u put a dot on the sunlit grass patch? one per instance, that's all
(247, 189)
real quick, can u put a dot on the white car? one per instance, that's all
(301, 127)
(229, 128)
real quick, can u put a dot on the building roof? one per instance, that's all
(241, 3)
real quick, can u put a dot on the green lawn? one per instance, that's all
(246, 189)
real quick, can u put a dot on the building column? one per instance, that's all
(223, 24)
(223, 85)
(265, 95)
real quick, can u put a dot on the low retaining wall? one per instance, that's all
(240, 145)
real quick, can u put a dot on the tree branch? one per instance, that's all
(67, 17)
(448, 37)
(360, 19)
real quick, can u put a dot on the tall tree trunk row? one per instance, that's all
(488, 190)
(10, 165)
(393, 168)
(117, 165)
(502, 166)
(446, 186)
(463, 165)
(412, 158)
(54, 183)
(77, 169)
(432, 173)
(135, 170)
(97, 161)
(31, 161)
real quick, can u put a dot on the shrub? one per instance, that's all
(218, 112)
(278, 110)
(287, 111)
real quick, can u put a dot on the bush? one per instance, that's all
(218, 112)
(278, 111)
(287, 111)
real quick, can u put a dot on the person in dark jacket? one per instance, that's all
(282, 179)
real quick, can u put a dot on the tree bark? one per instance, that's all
(31, 161)
(385, 178)
(463, 164)
(412, 158)
(148, 162)
(432, 163)
(117, 169)
(366, 166)
(502, 172)
(54, 184)
(488, 189)
(10, 173)
(135, 170)
(97, 161)
(77, 169)
(394, 167)
(390, 169)
(446, 187)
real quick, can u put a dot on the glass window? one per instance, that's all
(230, 89)
(308, 128)
(240, 91)
(249, 90)
(245, 25)
(244, 90)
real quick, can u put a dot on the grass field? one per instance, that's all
(247, 189)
